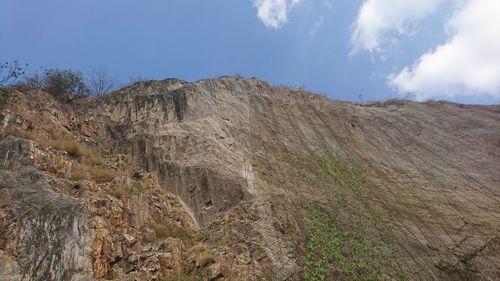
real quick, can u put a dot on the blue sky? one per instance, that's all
(373, 48)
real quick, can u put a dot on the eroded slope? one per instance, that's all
(276, 184)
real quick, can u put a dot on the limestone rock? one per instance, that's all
(124, 187)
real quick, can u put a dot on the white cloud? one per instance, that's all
(468, 64)
(317, 25)
(378, 19)
(274, 13)
(328, 4)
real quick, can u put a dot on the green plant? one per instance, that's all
(347, 234)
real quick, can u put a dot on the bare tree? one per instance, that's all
(99, 81)
(10, 71)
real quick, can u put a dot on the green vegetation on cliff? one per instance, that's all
(345, 236)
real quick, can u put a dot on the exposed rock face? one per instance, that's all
(192, 138)
(219, 178)
(47, 233)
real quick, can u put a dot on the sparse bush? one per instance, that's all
(58, 82)
(33, 81)
(10, 71)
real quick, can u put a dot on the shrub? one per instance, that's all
(34, 81)
(58, 82)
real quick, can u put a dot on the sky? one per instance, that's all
(359, 50)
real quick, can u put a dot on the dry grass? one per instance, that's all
(164, 229)
(75, 149)
(180, 276)
(377, 103)
(205, 259)
(203, 255)
(198, 248)
(98, 174)
(16, 132)
(123, 191)
(57, 141)
(4, 202)
(91, 169)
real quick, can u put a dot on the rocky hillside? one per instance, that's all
(232, 179)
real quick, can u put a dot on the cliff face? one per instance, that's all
(231, 179)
